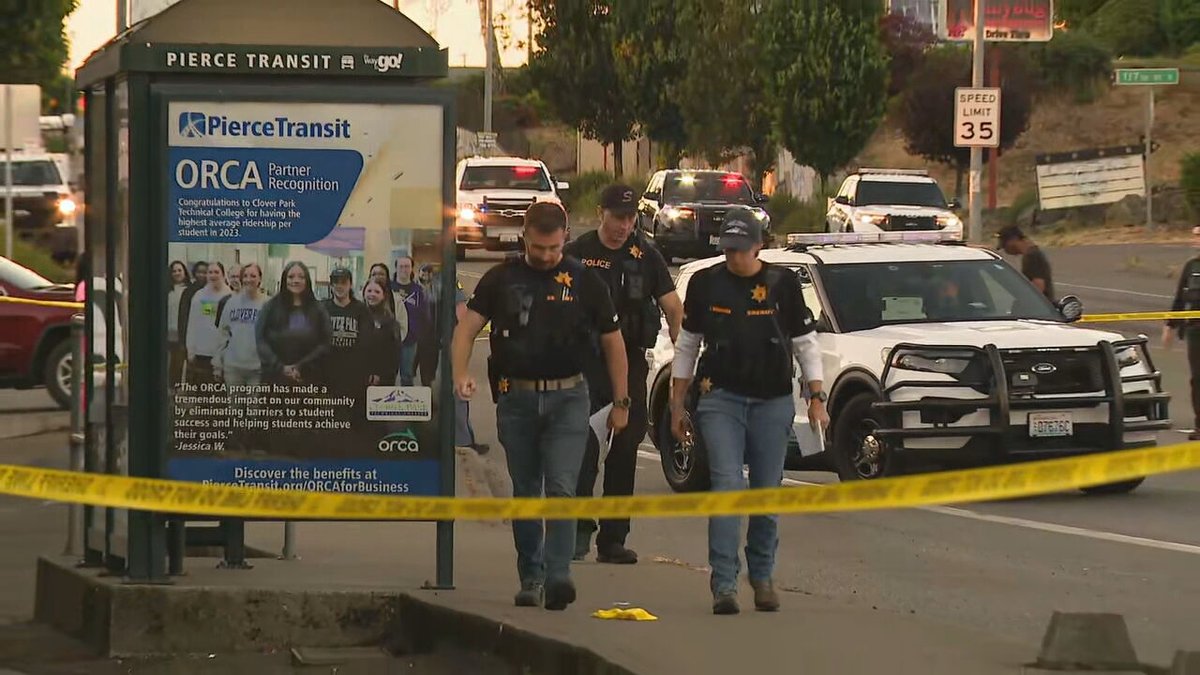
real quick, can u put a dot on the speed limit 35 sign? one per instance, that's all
(977, 117)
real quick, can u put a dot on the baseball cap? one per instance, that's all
(741, 231)
(340, 272)
(619, 198)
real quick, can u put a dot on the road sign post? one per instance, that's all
(1149, 78)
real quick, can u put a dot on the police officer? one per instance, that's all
(1187, 298)
(546, 310)
(752, 320)
(640, 283)
(1034, 263)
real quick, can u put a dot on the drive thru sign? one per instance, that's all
(977, 117)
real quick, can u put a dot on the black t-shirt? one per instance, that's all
(1035, 265)
(610, 265)
(748, 324)
(564, 307)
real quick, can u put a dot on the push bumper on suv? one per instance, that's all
(1034, 403)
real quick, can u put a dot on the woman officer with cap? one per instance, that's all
(750, 316)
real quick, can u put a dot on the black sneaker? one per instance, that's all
(559, 594)
(615, 554)
(530, 594)
(725, 603)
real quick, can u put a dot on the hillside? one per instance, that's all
(1060, 125)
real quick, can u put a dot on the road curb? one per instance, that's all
(118, 620)
(19, 424)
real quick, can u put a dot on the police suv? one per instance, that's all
(493, 194)
(891, 200)
(938, 354)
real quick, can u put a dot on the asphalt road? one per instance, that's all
(999, 567)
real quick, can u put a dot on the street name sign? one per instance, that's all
(977, 117)
(1146, 76)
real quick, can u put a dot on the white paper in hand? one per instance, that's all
(599, 424)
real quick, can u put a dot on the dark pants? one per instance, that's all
(621, 463)
(1193, 354)
(542, 434)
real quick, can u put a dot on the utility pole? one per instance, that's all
(975, 225)
(122, 16)
(489, 34)
(8, 171)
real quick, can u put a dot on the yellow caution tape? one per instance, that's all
(1139, 316)
(1090, 318)
(991, 483)
(42, 303)
(630, 614)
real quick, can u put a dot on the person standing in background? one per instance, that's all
(464, 433)
(429, 342)
(293, 330)
(381, 340)
(202, 337)
(346, 361)
(234, 277)
(176, 351)
(199, 279)
(236, 360)
(1187, 299)
(1034, 263)
(383, 276)
(416, 305)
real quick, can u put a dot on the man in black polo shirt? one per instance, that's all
(546, 311)
(640, 283)
(1034, 263)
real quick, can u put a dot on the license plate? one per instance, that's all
(714, 240)
(508, 238)
(1050, 425)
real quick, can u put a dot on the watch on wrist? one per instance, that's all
(819, 396)
(623, 403)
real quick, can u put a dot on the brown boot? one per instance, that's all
(765, 597)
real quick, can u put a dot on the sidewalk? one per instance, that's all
(378, 561)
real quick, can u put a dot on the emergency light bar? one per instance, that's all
(834, 238)
(893, 172)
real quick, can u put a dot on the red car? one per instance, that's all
(35, 349)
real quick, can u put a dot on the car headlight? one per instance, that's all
(466, 213)
(947, 363)
(871, 219)
(951, 221)
(66, 206)
(676, 213)
(1128, 356)
(760, 213)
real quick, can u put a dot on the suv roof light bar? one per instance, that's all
(839, 238)
(894, 172)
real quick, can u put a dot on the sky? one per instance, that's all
(456, 27)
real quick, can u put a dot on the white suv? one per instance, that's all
(493, 194)
(891, 200)
(937, 353)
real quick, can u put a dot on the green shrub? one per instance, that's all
(1180, 24)
(1189, 179)
(781, 205)
(1129, 27)
(38, 260)
(584, 195)
(1076, 61)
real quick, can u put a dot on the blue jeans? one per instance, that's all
(407, 373)
(544, 435)
(739, 430)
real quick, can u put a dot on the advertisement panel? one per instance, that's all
(303, 242)
(1004, 20)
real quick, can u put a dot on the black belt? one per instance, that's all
(547, 385)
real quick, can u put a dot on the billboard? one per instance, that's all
(301, 320)
(1004, 20)
(1090, 177)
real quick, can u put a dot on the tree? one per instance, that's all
(1128, 27)
(647, 53)
(720, 90)
(1075, 12)
(827, 79)
(925, 111)
(34, 48)
(575, 73)
(1181, 24)
(906, 40)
